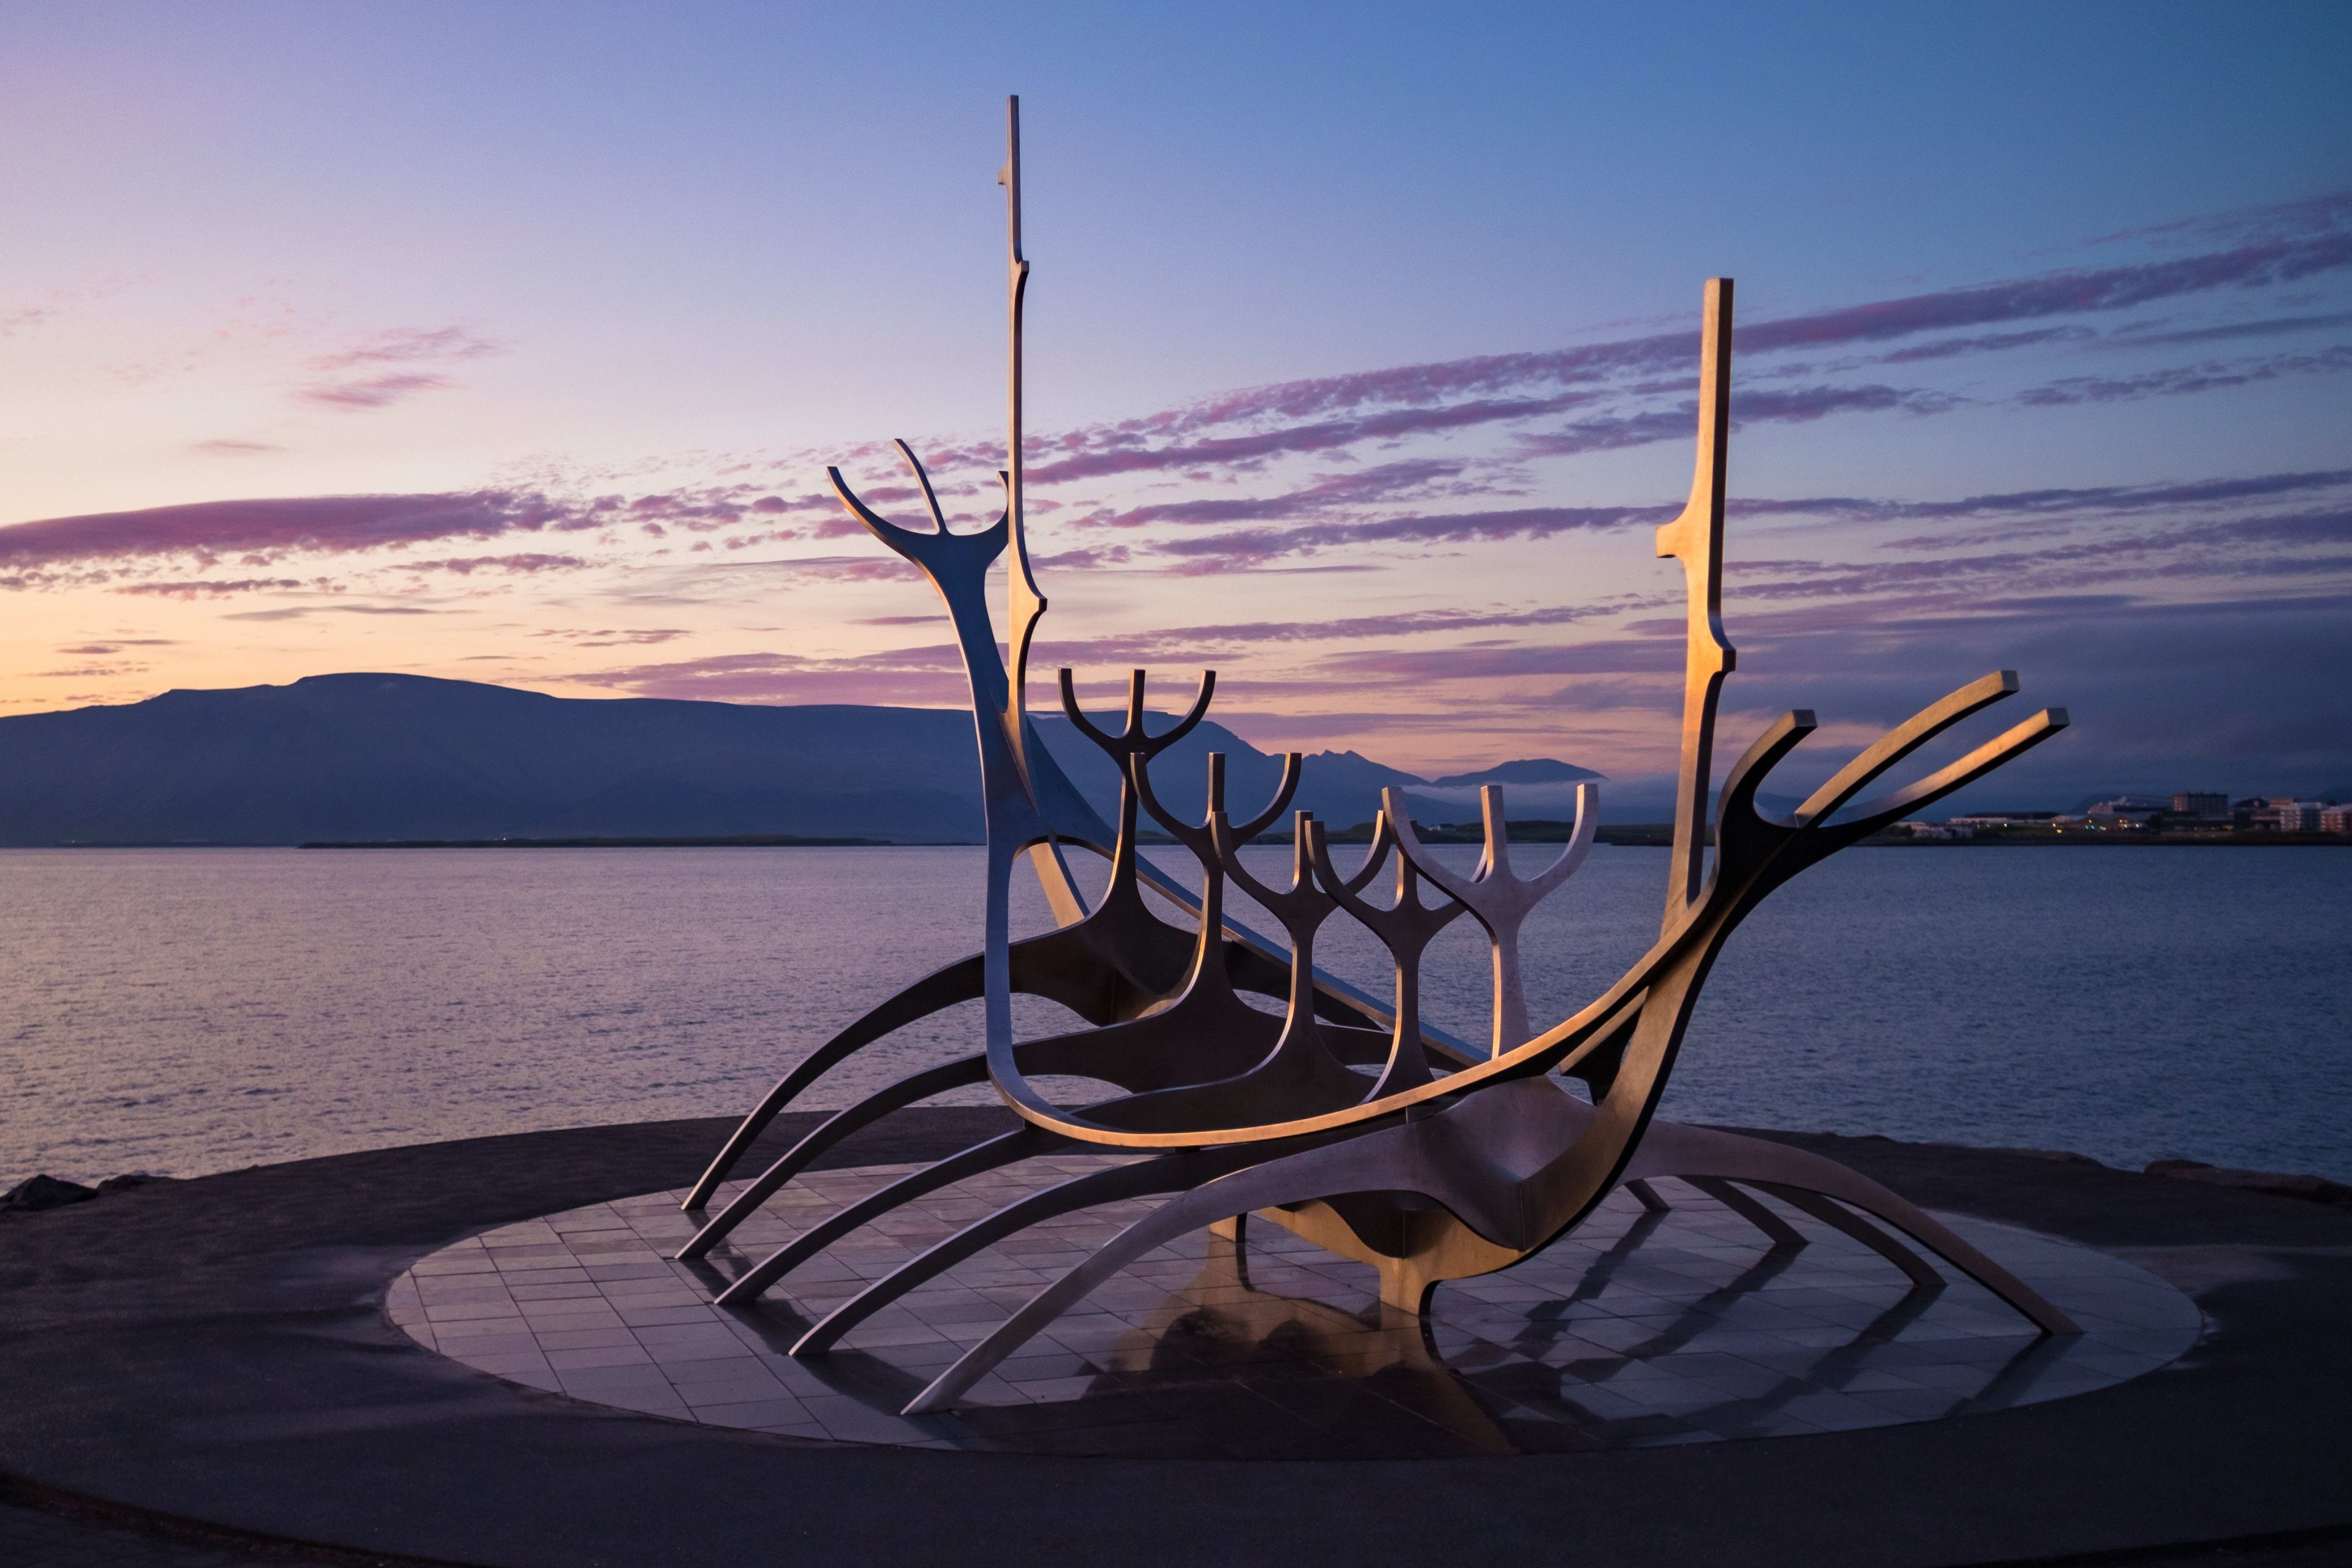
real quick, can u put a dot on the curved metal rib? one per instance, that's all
(1918, 1269)
(1262, 1187)
(1170, 1172)
(1903, 739)
(825, 1135)
(959, 982)
(1204, 1036)
(1115, 963)
(1782, 1234)
(1021, 1144)
(1806, 1179)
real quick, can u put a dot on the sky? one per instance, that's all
(511, 343)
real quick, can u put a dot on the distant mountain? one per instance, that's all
(1532, 787)
(400, 756)
(397, 756)
(1529, 771)
(1340, 787)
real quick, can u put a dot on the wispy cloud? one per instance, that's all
(55, 303)
(466, 566)
(1176, 641)
(297, 612)
(2179, 380)
(931, 675)
(1244, 547)
(395, 346)
(207, 530)
(221, 587)
(640, 637)
(374, 392)
(407, 345)
(2323, 246)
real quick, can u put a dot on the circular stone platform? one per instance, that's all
(1641, 1329)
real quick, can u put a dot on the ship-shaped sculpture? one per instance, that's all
(1346, 1118)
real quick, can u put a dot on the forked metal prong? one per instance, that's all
(1904, 738)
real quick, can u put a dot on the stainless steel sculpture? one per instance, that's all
(1438, 1161)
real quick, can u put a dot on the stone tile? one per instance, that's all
(472, 1348)
(468, 1311)
(735, 1391)
(775, 1415)
(598, 1356)
(662, 1317)
(582, 1339)
(510, 1363)
(643, 1376)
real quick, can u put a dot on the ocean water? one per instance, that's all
(189, 1011)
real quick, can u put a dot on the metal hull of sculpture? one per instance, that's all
(1346, 1120)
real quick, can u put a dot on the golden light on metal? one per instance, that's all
(1438, 1160)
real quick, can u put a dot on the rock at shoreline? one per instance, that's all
(35, 1193)
(2309, 1188)
(2063, 1156)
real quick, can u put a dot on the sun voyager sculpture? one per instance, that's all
(1344, 1118)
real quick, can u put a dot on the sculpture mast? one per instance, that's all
(1023, 602)
(1696, 538)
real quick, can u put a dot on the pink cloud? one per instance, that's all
(1951, 348)
(2175, 381)
(639, 638)
(407, 346)
(466, 566)
(1212, 552)
(217, 588)
(1242, 451)
(377, 392)
(394, 346)
(925, 676)
(1176, 642)
(1385, 482)
(1610, 656)
(204, 529)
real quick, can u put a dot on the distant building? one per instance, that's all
(2127, 811)
(2202, 806)
(2336, 820)
(2291, 815)
(2005, 819)
(1937, 829)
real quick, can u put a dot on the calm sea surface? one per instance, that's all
(186, 1011)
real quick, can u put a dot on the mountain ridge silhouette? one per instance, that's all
(376, 756)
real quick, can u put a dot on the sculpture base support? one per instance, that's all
(1419, 1249)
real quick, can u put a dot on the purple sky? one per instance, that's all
(512, 347)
